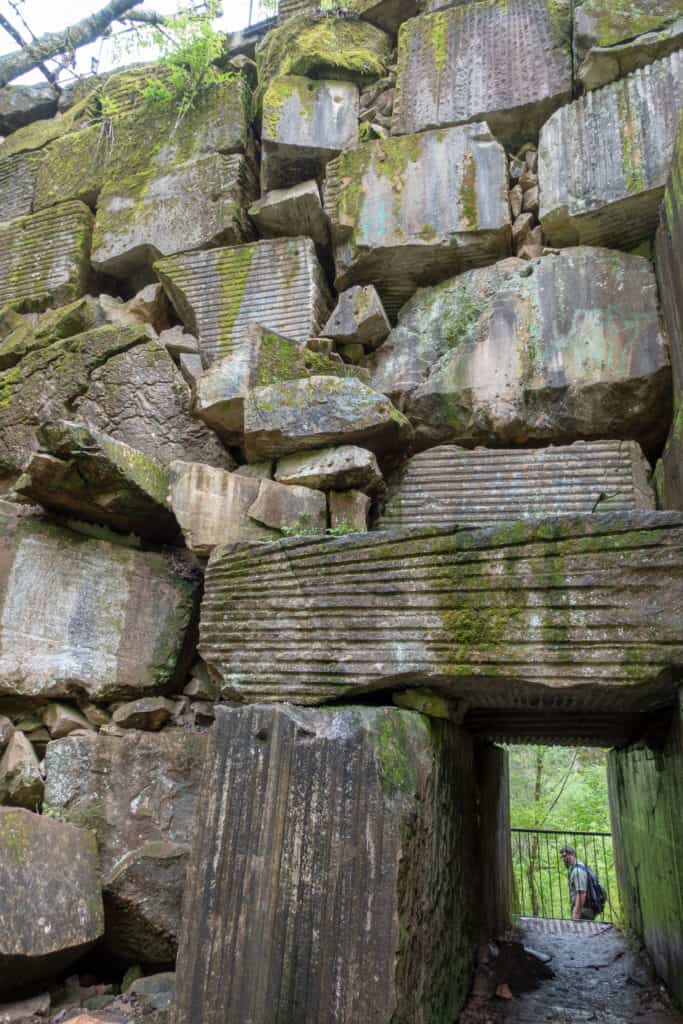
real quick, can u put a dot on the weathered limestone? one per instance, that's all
(449, 486)
(518, 59)
(332, 469)
(44, 258)
(297, 915)
(50, 904)
(278, 283)
(301, 414)
(646, 789)
(137, 792)
(214, 507)
(349, 511)
(104, 620)
(604, 160)
(612, 41)
(305, 124)
(21, 784)
(89, 475)
(563, 347)
(22, 104)
(358, 318)
(17, 185)
(292, 211)
(412, 210)
(580, 612)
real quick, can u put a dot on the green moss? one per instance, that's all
(468, 193)
(616, 23)
(277, 95)
(397, 767)
(13, 842)
(631, 149)
(233, 287)
(8, 383)
(438, 26)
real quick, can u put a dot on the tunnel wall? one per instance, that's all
(495, 853)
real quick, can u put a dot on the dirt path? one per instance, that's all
(596, 979)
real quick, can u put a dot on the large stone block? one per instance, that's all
(578, 612)
(292, 211)
(137, 792)
(604, 159)
(278, 283)
(412, 210)
(320, 904)
(17, 185)
(305, 125)
(104, 621)
(450, 486)
(73, 167)
(339, 469)
(386, 14)
(45, 257)
(22, 104)
(563, 347)
(50, 899)
(519, 67)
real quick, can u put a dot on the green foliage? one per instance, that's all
(341, 529)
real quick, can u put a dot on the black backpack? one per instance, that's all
(596, 896)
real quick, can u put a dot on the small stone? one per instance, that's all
(21, 1012)
(96, 715)
(521, 228)
(21, 784)
(516, 200)
(6, 731)
(61, 719)
(533, 246)
(290, 212)
(156, 990)
(530, 201)
(323, 345)
(358, 318)
(528, 180)
(327, 469)
(28, 723)
(176, 342)
(290, 508)
(348, 511)
(132, 974)
(147, 713)
(353, 354)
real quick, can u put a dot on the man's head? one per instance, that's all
(568, 855)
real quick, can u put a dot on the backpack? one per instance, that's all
(596, 896)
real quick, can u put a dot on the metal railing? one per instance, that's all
(541, 877)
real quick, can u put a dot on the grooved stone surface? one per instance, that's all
(576, 611)
(412, 210)
(45, 257)
(322, 841)
(604, 159)
(507, 62)
(450, 486)
(137, 792)
(218, 293)
(86, 617)
(17, 184)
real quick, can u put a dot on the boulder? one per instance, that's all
(358, 318)
(136, 791)
(331, 469)
(22, 104)
(24, 334)
(44, 257)
(277, 283)
(349, 512)
(17, 185)
(21, 784)
(156, 990)
(62, 719)
(37, 135)
(564, 347)
(178, 342)
(105, 621)
(604, 159)
(413, 210)
(523, 614)
(51, 905)
(519, 57)
(148, 713)
(292, 211)
(86, 473)
(314, 905)
(386, 14)
(449, 486)
(305, 124)
(315, 413)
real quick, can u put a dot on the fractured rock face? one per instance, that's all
(50, 903)
(44, 257)
(278, 283)
(358, 318)
(567, 346)
(604, 159)
(305, 124)
(105, 620)
(522, 612)
(305, 862)
(449, 486)
(518, 59)
(137, 792)
(332, 469)
(412, 210)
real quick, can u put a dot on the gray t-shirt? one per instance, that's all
(578, 882)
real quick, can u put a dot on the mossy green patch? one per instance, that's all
(468, 193)
(13, 841)
(396, 763)
(233, 286)
(631, 143)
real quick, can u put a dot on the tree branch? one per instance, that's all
(144, 17)
(18, 38)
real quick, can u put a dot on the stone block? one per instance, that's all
(62, 719)
(523, 614)
(449, 486)
(21, 784)
(315, 413)
(519, 67)
(604, 159)
(147, 713)
(105, 621)
(44, 257)
(89, 475)
(564, 347)
(386, 14)
(73, 167)
(51, 905)
(358, 318)
(17, 185)
(413, 210)
(136, 791)
(292, 211)
(290, 508)
(278, 283)
(305, 124)
(22, 104)
(38, 134)
(313, 906)
(349, 511)
(191, 368)
(331, 469)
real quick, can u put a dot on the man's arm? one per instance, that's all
(578, 905)
(580, 878)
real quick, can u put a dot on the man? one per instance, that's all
(578, 885)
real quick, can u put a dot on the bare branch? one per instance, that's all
(144, 17)
(18, 38)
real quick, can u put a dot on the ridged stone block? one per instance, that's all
(218, 293)
(410, 211)
(604, 159)
(450, 486)
(17, 184)
(45, 257)
(333, 872)
(517, 56)
(574, 612)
